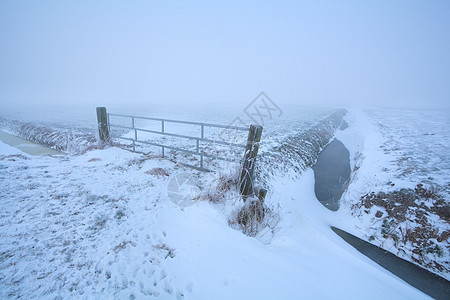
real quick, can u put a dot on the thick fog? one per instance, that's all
(330, 53)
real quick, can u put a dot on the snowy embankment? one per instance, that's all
(400, 188)
(103, 225)
(290, 156)
(68, 141)
(299, 151)
(287, 158)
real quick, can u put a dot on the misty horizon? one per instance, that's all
(340, 54)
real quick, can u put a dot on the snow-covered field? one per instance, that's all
(72, 130)
(100, 225)
(105, 224)
(402, 170)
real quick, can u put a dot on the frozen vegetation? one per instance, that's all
(69, 141)
(400, 188)
(116, 224)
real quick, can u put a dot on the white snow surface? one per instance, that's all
(390, 150)
(99, 225)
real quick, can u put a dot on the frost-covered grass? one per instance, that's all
(299, 150)
(74, 226)
(400, 190)
(103, 225)
(74, 130)
(65, 140)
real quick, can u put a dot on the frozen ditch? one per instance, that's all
(429, 283)
(332, 173)
(26, 146)
(398, 196)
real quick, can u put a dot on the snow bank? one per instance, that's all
(64, 140)
(399, 192)
(298, 152)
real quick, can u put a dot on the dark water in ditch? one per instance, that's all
(429, 283)
(331, 174)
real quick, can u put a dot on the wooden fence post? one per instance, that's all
(248, 168)
(102, 121)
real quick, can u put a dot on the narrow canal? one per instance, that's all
(332, 173)
(26, 146)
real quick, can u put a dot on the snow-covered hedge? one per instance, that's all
(67, 141)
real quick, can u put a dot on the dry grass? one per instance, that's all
(94, 159)
(164, 247)
(68, 141)
(255, 219)
(224, 186)
(158, 172)
(251, 214)
(13, 157)
(252, 217)
(408, 223)
(121, 246)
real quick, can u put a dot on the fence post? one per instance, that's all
(251, 150)
(102, 121)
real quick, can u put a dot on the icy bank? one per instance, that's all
(64, 140)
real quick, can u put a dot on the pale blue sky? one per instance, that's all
(339, 53)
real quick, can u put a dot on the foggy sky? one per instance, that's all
(339, 53)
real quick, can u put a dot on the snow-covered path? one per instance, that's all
(101, 225)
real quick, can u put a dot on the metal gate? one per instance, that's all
(198, 150)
